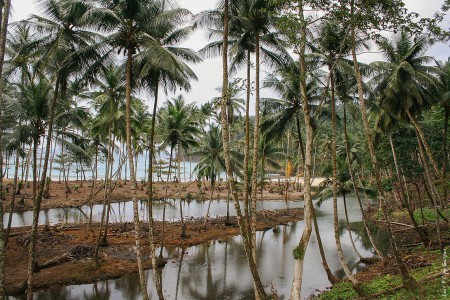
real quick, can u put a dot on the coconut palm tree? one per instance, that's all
(4, 13)
(244, 229)
(68, 50)
(406, 83)
(178, 129)
(212, 163)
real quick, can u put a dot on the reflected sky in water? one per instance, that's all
(123, 211)
(218, 269)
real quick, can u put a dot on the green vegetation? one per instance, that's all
(386, 287)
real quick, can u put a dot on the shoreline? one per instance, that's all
(57, 247)
(80, 193)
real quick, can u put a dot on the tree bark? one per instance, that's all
(226, 146)
(38, 199)
(137, 229)
(308, 206)
(355, 188)
(348, 272)
(151, 228)
(402, 184)
(407, 280)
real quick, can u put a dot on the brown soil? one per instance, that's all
(80, 193)
(118, 258)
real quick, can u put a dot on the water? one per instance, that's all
(123, 211)
(218, 270)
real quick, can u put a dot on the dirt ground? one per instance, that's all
(80, 193)
(67, 252)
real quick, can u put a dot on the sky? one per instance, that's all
(209, 72)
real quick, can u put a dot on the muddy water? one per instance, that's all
(218, 270)
(123, 212)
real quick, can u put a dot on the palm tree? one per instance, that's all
(226, 146)
(406, 86)
(406, 278)
(406, 83)
(68, 50)
(4, 13)
(178, 129)
(212, 163)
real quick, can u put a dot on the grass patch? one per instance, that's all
(430, 289)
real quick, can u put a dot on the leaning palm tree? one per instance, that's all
(406, 83)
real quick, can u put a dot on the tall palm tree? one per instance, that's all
(4, 13)
(226, 146)
(68, 50)
(406, 83)
(406, 278)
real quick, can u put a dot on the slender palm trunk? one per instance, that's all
(355, 188)
(164, 205)
(4, 15)
(105, 199)
(349, 228)
(13, 196)
(407, 280)
(94, 184)
(137, 229)
(445, 156)
(151, 227)
(247, 139)
(432, 191)
(183, 226)
(226, 147)
(348, 272)
(424, 142)
(209, 204)
(38, 199)
(255, 155)
(308, 206)
(406, 203)
(330, 275)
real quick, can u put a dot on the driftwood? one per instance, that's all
(76, 253)
(394, 223)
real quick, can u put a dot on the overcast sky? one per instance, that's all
(210, 71)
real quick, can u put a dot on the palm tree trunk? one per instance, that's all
(183, 226)
(247, 139)
(424, 142)
(151, 227)
(13, 197)
(330, 275)
(4, 15)
(308, 206)
(445, 156)
(406, 203)
(348, 272)
(255, 154)
(100, 239)
(355, 187)
(38, 199)
(137, 229)
(226, 147)
(164, 206)
(112, 141)
(407, 280)
(432, 191)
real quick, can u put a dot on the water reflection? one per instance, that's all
(218, 269)
(123, 211)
